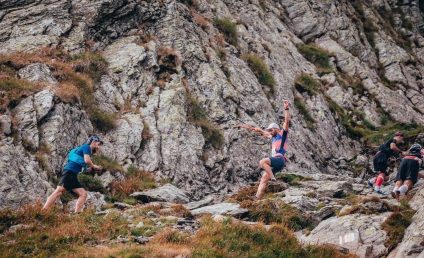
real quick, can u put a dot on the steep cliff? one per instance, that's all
(166, 82)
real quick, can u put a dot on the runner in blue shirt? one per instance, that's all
(78, 160)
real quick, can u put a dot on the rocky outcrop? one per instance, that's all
(361, 234)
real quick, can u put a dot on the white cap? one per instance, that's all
(272, 126)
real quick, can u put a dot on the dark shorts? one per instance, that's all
(408, 170)
(277, 164)
(69, 180)
(380, 163)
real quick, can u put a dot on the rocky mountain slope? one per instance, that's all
(166, 81)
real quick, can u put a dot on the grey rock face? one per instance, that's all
(22, 181)
(165, 193)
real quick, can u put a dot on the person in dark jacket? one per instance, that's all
(408, 172)
(381, 160)
(78, 160)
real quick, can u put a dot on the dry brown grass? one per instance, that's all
(67, 92)
(136, 180)
(181, 211)
(171, 236)
(245, 193)
(200, 20)
(169, 57)
(51, 232)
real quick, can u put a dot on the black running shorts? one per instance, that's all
(380, 163)
(69, 180)
(408, 170)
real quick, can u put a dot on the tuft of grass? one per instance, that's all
(68, 93)
(90, 183)
(170, 236)
(12, 90)
(107, 163)
(292, 179)
(316, 55)
(276, 211)
(228, 29)
(244, 193)
(306, 83)
(181, 211)
(301, 106)
(103, 121)
(197, 115)
(232, 239)
(261, 70)
(91, 63)
(396, 224)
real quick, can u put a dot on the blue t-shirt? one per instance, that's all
(75, 167)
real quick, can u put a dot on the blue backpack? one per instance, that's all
(75, 157)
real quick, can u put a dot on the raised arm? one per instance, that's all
(286, 115)
(256, 130)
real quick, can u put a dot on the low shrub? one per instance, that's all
(228, 29)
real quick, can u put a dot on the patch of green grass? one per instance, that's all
(301, 106)
(316, 55)
(306, 83)
(228, 29)
(292, 179)
(396, 224)
(197, 115)
(103, 121)
(107, 163)
(232, 239)
(261, 70)
(90, 183)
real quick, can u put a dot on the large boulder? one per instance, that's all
(361, 234)
(225, 208)
(165, 193)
